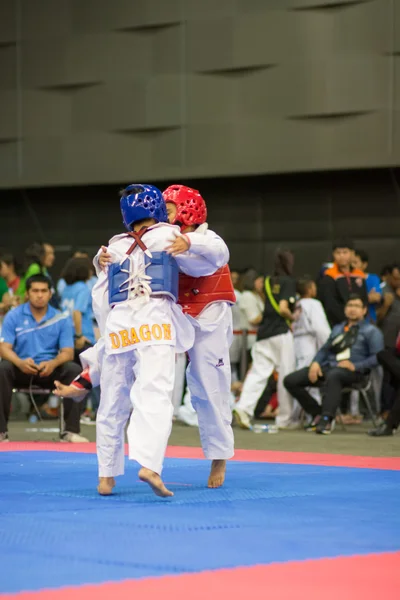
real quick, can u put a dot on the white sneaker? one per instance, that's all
(186, 414)
(292, 425)
(73, 438)
(242, 418)
(4, 438)
(86, 420)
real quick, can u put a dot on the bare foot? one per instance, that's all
(155, 482)
(217, 474)
(106, 485)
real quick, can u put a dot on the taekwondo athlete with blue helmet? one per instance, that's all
(143, 329)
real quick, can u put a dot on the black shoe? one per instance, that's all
(313, 425)
(325, 426)
(382, 431)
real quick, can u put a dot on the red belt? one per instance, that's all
(241, 332)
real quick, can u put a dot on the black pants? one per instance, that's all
(265, 397)
(390, 362)
(11, 377)
(333, 381)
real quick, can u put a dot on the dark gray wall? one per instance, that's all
(253, 214)
(99, 91)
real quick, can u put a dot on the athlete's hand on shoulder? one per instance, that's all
(180, 244)
(104, 258)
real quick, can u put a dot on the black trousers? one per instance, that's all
(390, 362)
(333, 381)
(11, 377)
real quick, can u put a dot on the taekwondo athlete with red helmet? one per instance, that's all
(207, 299)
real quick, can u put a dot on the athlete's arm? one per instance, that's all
(210, 246)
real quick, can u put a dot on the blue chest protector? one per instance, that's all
(161, 267)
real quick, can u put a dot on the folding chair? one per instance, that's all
(35, 390)
(363, 388)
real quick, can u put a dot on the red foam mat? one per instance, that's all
(343, 578)
(295, 458)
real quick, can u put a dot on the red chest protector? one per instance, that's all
(195, 293)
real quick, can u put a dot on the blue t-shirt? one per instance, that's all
(78, 297)
(38, 340)
(373, 283)
(91, 283)
(61, 285)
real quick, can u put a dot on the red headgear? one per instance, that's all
(190, 206)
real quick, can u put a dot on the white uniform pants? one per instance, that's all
(275, 353)
(209, 382)
(142, 380)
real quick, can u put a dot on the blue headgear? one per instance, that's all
(141, 201)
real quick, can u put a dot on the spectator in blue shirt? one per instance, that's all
(76, 299)
(92, 277)
(373, 282)
(36, 349)
(349, 353)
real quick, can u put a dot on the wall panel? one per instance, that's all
(212, 88)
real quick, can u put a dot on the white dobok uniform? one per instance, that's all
(209, 370)
(310, 331)
(251, 307)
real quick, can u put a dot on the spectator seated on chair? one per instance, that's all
(390, 361)
(348, 355)
(37, 347)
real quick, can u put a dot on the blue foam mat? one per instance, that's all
(56, 531)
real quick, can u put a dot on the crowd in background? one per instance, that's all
(71, 295)
(72, 292)
(285, 364)
(294, 366)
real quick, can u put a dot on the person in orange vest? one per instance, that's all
(340, 281)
